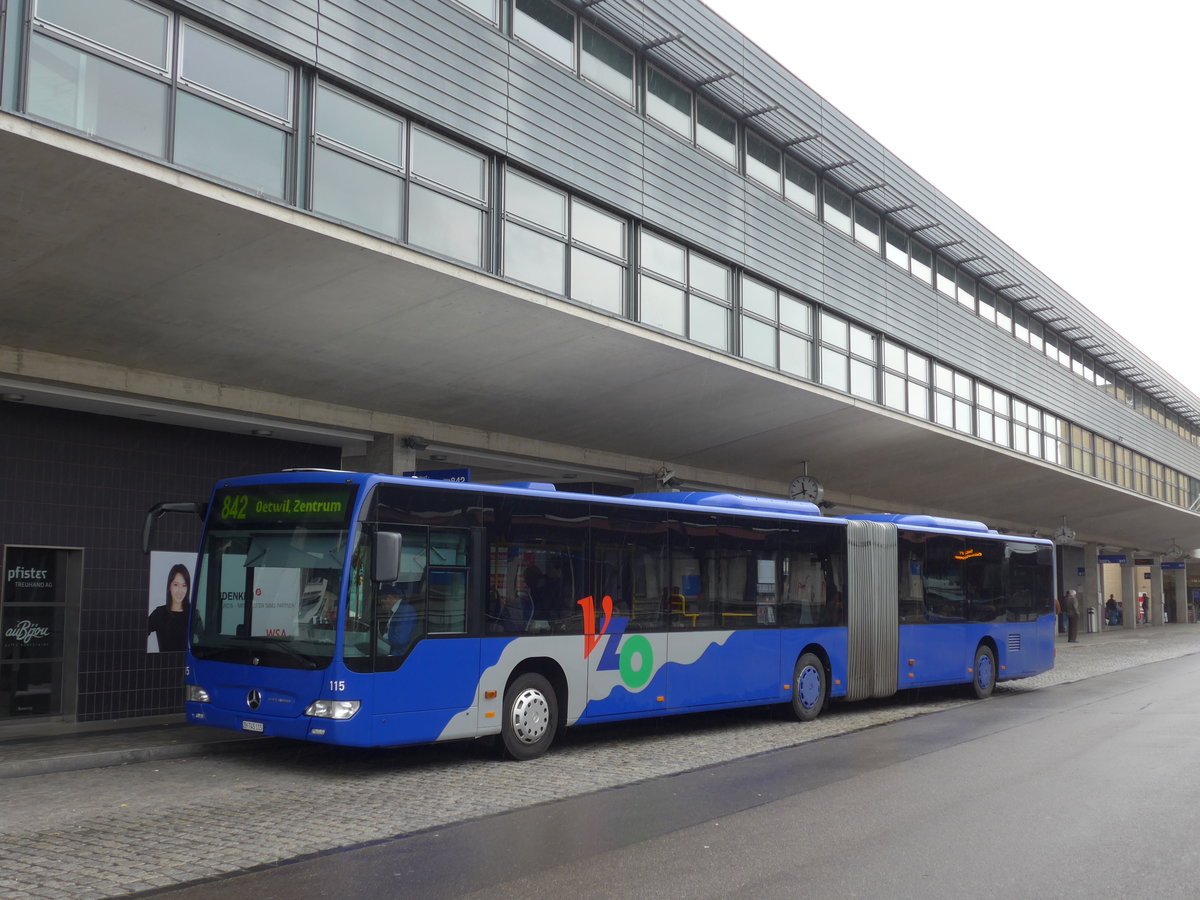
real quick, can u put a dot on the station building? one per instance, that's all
(609, 244)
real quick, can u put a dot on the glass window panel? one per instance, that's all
(866, 227)
(962, 385)
(922, 262)
(945, 277)
(663, 257)
(795, 314)
(360, 126)
(862, 379)
(548, 27)
(606, 63)
(667, 102)
(228, 145)
(485, 8)
(862, 342)
(962, 417)
(662, 306)
(894, 391)
(445, 225)
(987, 305)
(984, 396)
(534, 258)
(835, 369)
(133, 30)
(758, 341)
(1021, 327)
(835, 331)
(943, 378)
(983, 425)
(597, 281)
(837, 208)
(918, 400)
(1001, 435)
(357, 193)
(236, 73)
(448, 164)
(800, 185)
(1020, 438)
(966, 290)
(893, 356)
(1036, 340)
(1000, 402)
(716, 133)
(709, 277)
(918, 367)
(763, 161)
(527, 199)
(896, 245)
(943, 410)
(758, 298)
(597, 229)
(709, 323)
(94, 96)
(795, 355)
(1003, 315)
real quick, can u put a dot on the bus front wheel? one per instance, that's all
(983, 674)
(530, 717)
(809, 687)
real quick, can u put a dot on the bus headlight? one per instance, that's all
(193, 693)
(333, 709)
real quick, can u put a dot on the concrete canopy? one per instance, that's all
(116, 260)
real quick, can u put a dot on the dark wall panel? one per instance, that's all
(77, 480)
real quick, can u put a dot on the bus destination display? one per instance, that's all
(294, 504)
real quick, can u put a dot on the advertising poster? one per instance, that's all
(169, 601)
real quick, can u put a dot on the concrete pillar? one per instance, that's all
(1179, 595)
(1129, 592)
(1154, 615)
(386, 455)
(1091, 593)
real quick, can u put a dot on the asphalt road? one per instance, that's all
(1079, 790)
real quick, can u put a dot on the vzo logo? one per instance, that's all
(632, 657)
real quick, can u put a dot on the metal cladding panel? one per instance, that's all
(854, 278)
(783, 245)
(290, 25)
(555, 121)
(873, 609)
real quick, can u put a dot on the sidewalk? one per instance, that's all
(117, 744)
(97, 745)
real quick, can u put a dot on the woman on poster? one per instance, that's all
(170, 621)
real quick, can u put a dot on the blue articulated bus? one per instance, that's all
(371, 610)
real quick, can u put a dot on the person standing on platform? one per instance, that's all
(1071, 608)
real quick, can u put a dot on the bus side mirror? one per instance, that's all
(386, 564)
(158, 510)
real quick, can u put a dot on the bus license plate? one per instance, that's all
(252, 726)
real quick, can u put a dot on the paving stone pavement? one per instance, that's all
(120, 830)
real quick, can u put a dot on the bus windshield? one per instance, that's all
(270, 577)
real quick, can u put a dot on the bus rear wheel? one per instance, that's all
(983, 674)
(530, 717)
(809, 687)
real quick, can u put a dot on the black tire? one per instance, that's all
(983, 673)
(530, 717)
(810, 687)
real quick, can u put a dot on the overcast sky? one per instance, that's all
(1075, 139)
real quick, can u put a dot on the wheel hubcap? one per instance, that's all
(983, 670)
(530, 716)
(808, 687)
